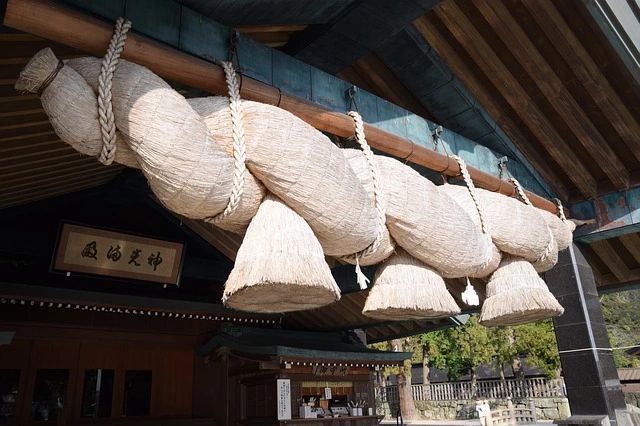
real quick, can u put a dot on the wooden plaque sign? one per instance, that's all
(97, 251)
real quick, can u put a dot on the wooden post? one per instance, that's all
(81, 31)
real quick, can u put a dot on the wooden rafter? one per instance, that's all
(541, 72)
(606, 252)
(569, 46)
(511, 89)
(453, 59)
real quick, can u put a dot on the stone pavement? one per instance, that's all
(474, 422)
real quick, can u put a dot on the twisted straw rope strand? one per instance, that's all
(472, 192)
(239, 146)
(377, 187)
(105, 84)
(525, 199)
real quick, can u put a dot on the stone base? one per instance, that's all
(546, 408)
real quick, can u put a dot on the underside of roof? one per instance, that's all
(535, 80)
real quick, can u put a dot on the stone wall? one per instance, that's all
(632, 398)
(546, 408)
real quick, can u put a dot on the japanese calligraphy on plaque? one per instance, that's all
(101, 252)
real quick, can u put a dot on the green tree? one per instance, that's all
(537, 343)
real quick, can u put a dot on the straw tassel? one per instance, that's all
(280, 266)
(516, 294)
(405, 288)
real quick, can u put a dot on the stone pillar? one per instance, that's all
(593, 386)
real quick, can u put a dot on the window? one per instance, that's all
(9, 381)
(49, 394)
(137, 392)
(97, 393)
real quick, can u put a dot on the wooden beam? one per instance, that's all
(574, 52)
(487, 98)
(30, 188)
(632, 243)
(488, 61)
(605, 251)
(78, 30)
(54, 173)
(554, 90)
(39, 195)
(270, 28)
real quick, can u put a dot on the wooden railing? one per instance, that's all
(514, 388)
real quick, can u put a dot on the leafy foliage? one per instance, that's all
(622, 317)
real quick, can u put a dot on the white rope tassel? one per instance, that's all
(105, 80)
(361, 278)
(377, 195)
(469, 295)
(239, 147)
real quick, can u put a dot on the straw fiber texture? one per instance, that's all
(71, 105)
(430, 225)
(187, 170)
(516, 294)
(515, 227)
(550, 258)
(405, 288)
(219, 125)
(461, 196)
(562, 230)
(280, 266)
(301, 166)
(361, 168)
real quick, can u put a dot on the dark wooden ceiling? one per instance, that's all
(538, 72)
(551, 80)
(34, 163)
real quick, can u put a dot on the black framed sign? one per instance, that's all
(98, 251)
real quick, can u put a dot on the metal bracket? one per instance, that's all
(502, 165)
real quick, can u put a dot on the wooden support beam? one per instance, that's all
(488, 61)
(547, 16)
(78, 30)
(523, 49)
(631, 242)
(453, 59)
(606, 252)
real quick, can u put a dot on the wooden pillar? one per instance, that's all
(593, 386)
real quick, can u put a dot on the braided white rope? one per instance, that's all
(520, 191)
(472, 191)
(377, 187)
(525, 199)
(560, 211)
(105, 80)
(239, 147)
(377, 195)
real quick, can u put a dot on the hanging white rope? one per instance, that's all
(239, 147)
(105, 80)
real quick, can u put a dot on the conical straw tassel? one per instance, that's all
(516, 294)
(280, 266)
(405, 288)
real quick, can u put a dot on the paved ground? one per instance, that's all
(456, 423)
